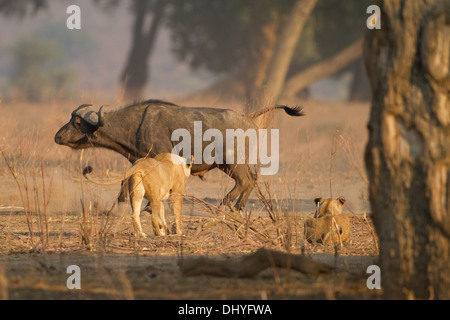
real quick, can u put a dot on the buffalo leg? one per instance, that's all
(244, 182)
(247, 187)
(243, 198)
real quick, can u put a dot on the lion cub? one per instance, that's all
(322, 229)
(156, 179)
(326, 207)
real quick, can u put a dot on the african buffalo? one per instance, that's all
(146, 126)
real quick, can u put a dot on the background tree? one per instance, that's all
(264, 49)
(408, 153)
(135, 74)
(290, 32)
(335, 29)
(255, 43)
(148, 16)
(38, 71)
(240, 39)
(21, 7)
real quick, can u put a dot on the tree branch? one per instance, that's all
(284, 50)
(322, 69)
(250, 265)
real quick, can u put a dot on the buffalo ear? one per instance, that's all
(317, 200)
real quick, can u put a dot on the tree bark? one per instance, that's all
(136, 72)
(408, 153)
(284, 50)
(320, 70)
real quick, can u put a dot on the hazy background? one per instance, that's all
(93, 58)
(96, 53)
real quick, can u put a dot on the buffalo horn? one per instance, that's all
(101, 118)
(86, 113)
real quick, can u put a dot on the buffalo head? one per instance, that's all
(80, 131)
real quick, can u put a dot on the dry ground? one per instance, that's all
(50, 218)
(121, 267)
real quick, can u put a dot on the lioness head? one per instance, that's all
(328, 206)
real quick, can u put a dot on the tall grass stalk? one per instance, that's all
(25, 202)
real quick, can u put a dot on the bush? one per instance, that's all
(38, 72)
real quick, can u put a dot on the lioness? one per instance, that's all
(322, 229)
(156, 179)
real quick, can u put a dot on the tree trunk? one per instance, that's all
(321, 70)
(360, 87)
(408, 153)
(233, 85)
(264, 24)
(284, 50)
(135, 75)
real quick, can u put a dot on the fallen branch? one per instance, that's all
(251, 265)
